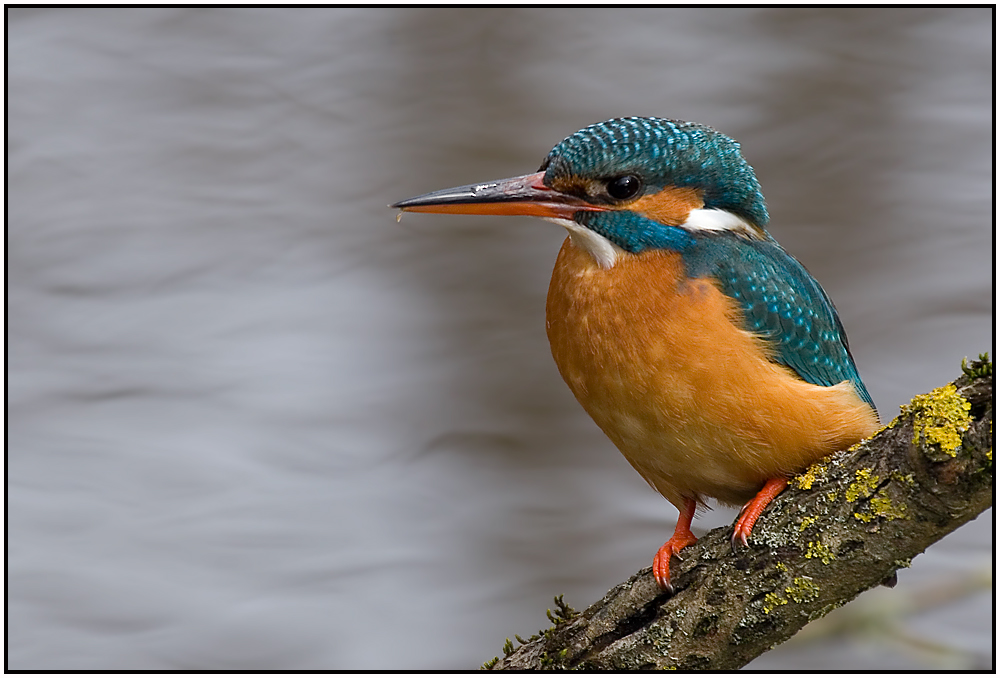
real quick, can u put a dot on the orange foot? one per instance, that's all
(753, 508)
(682, 537)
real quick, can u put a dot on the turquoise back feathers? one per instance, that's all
(782, 303)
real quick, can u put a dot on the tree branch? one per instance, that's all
(843, 526)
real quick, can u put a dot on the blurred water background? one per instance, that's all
(254, 422)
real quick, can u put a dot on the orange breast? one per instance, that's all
(692, 401)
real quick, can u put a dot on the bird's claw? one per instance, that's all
(739, 533)
(661, 569)
(753, 508)
(661, 562)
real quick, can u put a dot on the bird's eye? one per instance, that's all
(625, 187)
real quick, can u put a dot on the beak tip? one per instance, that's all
(406, 204)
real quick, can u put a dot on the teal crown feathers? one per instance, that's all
(662, 153)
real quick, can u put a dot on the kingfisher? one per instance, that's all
(709, 356)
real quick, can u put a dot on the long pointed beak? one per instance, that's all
(524, 196)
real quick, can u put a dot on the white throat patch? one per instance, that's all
(604, 252)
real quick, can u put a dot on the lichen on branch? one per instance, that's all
(844, 525)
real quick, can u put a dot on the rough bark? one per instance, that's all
(842, 527)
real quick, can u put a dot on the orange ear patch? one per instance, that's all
(670, 206)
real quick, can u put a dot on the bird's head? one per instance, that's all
(626, 185)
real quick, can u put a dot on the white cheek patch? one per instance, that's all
(718, 220)
(604, 252)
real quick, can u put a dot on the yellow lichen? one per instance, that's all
(899, 477)
(781, 567)
(803, 590)
(806, 522)
(881, 505)
(940, 418)
(816, 549)
(857, 446)
(831, 495)
(865, 485)
(884, 507)
(891, 424)
(815, 472)
(773, 600)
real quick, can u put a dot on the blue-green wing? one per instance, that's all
(783, 303)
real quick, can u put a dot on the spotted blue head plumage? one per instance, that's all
(662, 153)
